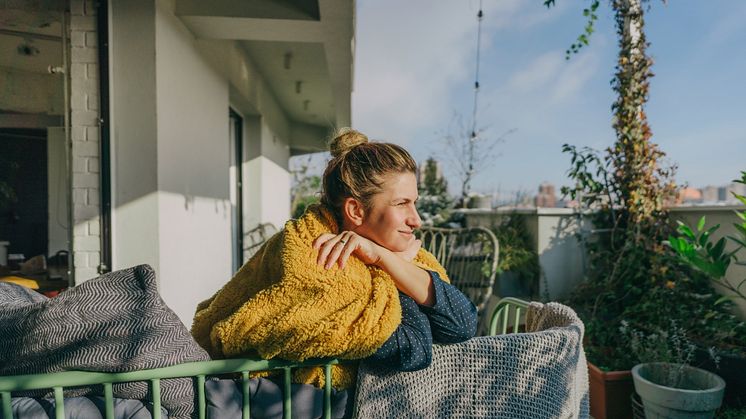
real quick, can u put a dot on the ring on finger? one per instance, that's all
(343, 241)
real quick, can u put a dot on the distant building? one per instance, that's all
(737, 188)
(723, 194)
(546, 197)
(689, 196)
(710, 193)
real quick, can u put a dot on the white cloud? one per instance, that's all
(411, 57)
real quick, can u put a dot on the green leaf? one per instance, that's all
(717, 251)
(712, 229)
(685, 230)
(723, 299)
(701, 223)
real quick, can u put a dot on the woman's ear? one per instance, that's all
(353, 211)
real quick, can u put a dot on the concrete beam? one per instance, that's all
(262, 9)
(254, 29)
(307, 138)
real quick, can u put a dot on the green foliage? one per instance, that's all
(633, 277)
(699, 251)
(583, 39)
(670, 345)
(302, 203)
(516, 251)
(305, 192)
(434, 203)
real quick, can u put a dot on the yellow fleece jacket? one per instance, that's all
(282, 304)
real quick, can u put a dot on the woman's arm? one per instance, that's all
(453, 318)
(409, 348)
(409, 278)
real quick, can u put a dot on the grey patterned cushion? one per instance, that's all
(114, 323)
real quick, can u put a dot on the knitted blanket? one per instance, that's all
(114, 323)
(282, 304)
(542, 374)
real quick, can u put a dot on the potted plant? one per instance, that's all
(696, 248)
(631, 275)
(667, 384)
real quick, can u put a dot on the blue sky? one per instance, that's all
(415, 61)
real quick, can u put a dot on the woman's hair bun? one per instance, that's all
(345, 140)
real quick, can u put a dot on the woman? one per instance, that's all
(372, 291)
(372, 190)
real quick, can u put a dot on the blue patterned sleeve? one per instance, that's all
(453, 318)
(409, 348)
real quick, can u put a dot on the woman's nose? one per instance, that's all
(414, 220)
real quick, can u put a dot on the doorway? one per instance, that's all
(236, 176)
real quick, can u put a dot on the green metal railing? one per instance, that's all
(508, 316)
(58, 381)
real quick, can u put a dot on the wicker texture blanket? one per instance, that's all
(542, 374)
(114, 323)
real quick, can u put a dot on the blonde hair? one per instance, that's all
(358, 168)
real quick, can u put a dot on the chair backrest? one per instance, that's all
(200, 371)
(255, 238)
(470, 257)
(513, 375)
(509, 316)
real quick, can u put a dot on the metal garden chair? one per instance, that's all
(470, 257)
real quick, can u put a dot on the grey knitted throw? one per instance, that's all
(114, 323)
(542, 374)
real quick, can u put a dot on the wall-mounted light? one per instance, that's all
(305, 104)
(288, 58)
(298, 85)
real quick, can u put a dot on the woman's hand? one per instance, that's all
(337, 248)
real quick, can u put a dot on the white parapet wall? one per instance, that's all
(553, 232)
(562, 256)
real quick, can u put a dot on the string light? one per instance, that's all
(480, 16)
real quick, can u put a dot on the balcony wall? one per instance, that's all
(561, 256)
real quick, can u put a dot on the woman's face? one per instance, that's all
(392, 217)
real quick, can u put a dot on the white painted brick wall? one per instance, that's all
(84, 122)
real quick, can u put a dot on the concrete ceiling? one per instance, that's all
(30, 49)
(30, 43)
(290, 41)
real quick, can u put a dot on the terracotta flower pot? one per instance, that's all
(610, 393)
